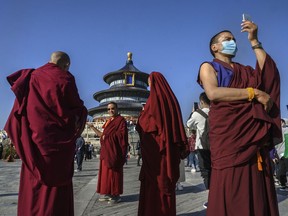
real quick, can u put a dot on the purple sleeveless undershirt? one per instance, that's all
(224, 75)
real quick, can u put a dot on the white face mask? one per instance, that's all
(229, 47)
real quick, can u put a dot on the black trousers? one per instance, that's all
(282, 169)
(79, 159)
(139, 158)
(204, 158)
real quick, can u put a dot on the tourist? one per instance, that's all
(182, 176)
(192, 159)
(139, 155)
(282, 151)
(199, 120)
(1, 150)
(80, 151)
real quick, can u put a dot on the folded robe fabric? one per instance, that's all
(45, 121)
(239, 128)
(114, 146)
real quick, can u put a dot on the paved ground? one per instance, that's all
(189, 201)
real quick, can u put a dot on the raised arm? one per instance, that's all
(252, 29)
(98, 132)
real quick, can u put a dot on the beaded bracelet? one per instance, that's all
(251, 93)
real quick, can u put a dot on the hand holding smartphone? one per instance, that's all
(196, 106)
(246, 17)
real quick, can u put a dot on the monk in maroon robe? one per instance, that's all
(114, 143)
(163, 143)
(244, 122)
(45, 121)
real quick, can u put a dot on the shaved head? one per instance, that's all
(61, 59)
(215, 38)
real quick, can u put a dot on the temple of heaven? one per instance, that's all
(127, 87)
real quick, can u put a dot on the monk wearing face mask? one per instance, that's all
(244, 125)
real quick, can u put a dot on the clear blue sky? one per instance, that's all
(170, 36)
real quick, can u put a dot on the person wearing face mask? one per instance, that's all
(244, 124)
(114, 144)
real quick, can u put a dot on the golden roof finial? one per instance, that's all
(129, 54)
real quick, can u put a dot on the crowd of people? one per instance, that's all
(233, 132)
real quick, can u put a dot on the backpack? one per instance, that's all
(205, 135)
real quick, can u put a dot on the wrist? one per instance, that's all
(251, 93)
(254, 42)
(257, 46)
(256, 93)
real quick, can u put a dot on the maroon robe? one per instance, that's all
(45, 121)
(163, 142)
(112, 157)
(238, 130)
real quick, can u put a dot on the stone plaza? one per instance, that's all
(189, 201)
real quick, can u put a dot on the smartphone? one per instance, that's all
(246, 17)
(196, 106)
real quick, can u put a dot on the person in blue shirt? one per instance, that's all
(80, 150)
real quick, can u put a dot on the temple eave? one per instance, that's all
(122, 107)
(120, 92)
(109, 77)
